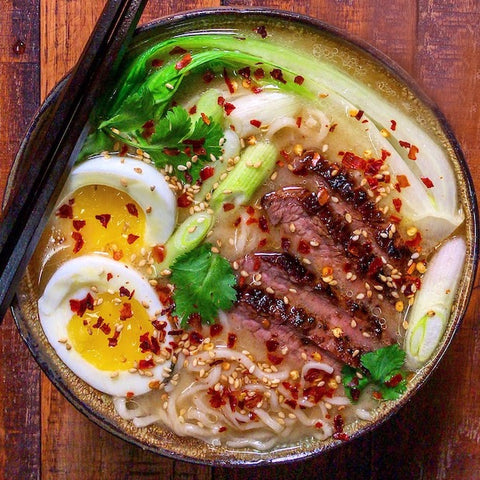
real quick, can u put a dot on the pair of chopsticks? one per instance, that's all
(57, 142)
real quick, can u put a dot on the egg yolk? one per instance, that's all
(104, 220)
(96, 336)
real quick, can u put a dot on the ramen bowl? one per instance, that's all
(364, 65)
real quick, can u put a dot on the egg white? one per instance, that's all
(74, 279)
(143, 182)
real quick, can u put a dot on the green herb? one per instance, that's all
(382, 369)
(203, 285)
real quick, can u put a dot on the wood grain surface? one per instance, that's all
(436, 436)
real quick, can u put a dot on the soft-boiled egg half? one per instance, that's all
(106, 323)
(115, 205)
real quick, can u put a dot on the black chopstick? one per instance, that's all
(56, 143)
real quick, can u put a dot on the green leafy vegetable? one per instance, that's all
(203, 284)
(383, 370)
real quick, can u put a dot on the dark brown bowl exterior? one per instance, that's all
(98, 407)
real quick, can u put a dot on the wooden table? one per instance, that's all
(437, 436)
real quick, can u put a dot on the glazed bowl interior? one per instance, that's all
(365, 65)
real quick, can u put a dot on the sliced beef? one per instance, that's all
(288, 301)
(344, 195)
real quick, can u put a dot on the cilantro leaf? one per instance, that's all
(381, 369)
(383, 362)
(172, 128)
(204, 284)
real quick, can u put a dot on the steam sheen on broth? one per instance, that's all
(314, 195)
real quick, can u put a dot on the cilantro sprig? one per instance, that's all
(382, 369)
(204, 284)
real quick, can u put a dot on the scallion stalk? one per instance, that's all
(256, 164)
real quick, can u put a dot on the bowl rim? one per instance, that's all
(400, 74)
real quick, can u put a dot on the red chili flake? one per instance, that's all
(263, 224)
(157, 62)
(125, 292)
(183, 201)
(228, 82)
(291, 403)
(78, 224)
(158, 252)
(315, 393)
(318, 425)
(277, 74)
(397, 203)
(207, 172)
(377, 395)
(81, 306)
(261, 30)
(148, 129)
(129, 395)
(427, 182)
(412, 153)
(359, 115)
(237, 222)
(271, 345)
(250, 210)
(216, 398)
(186, 59)
(394, 381)
(333, 127)
(415, 241)
(104, 218)
(259, 73)
(395, 219)
(215, 329)
(222, 429)
(228, 206)
(64, 211)
(338, 423)
(245, 72)
(208, 76)
(350, 160)
(205, 119)
(176, 332)
(393, 125)
(229, 108)
(262, 242)
(106, 329)
(372, 183)
(99, 322)
(256, 264)
(109, 277)
(177, 51)
(231, 339)
(375, 266)
(195, 337)
(403, 181)
(145, 364)
(299, 80)
(78, 241)
(117, 255)
(113, 341)
(132, 238)
(126, 311)
(256, 123)
(303, 247)
(251, 220)
(299, 122)
(404, 144)
(323, 196)
(132, 209)
(221, 101)
(192, 110)
(123, 150)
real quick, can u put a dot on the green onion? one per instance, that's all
(186, 237)
(208, 105)
(256, 164)
(431, 310)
